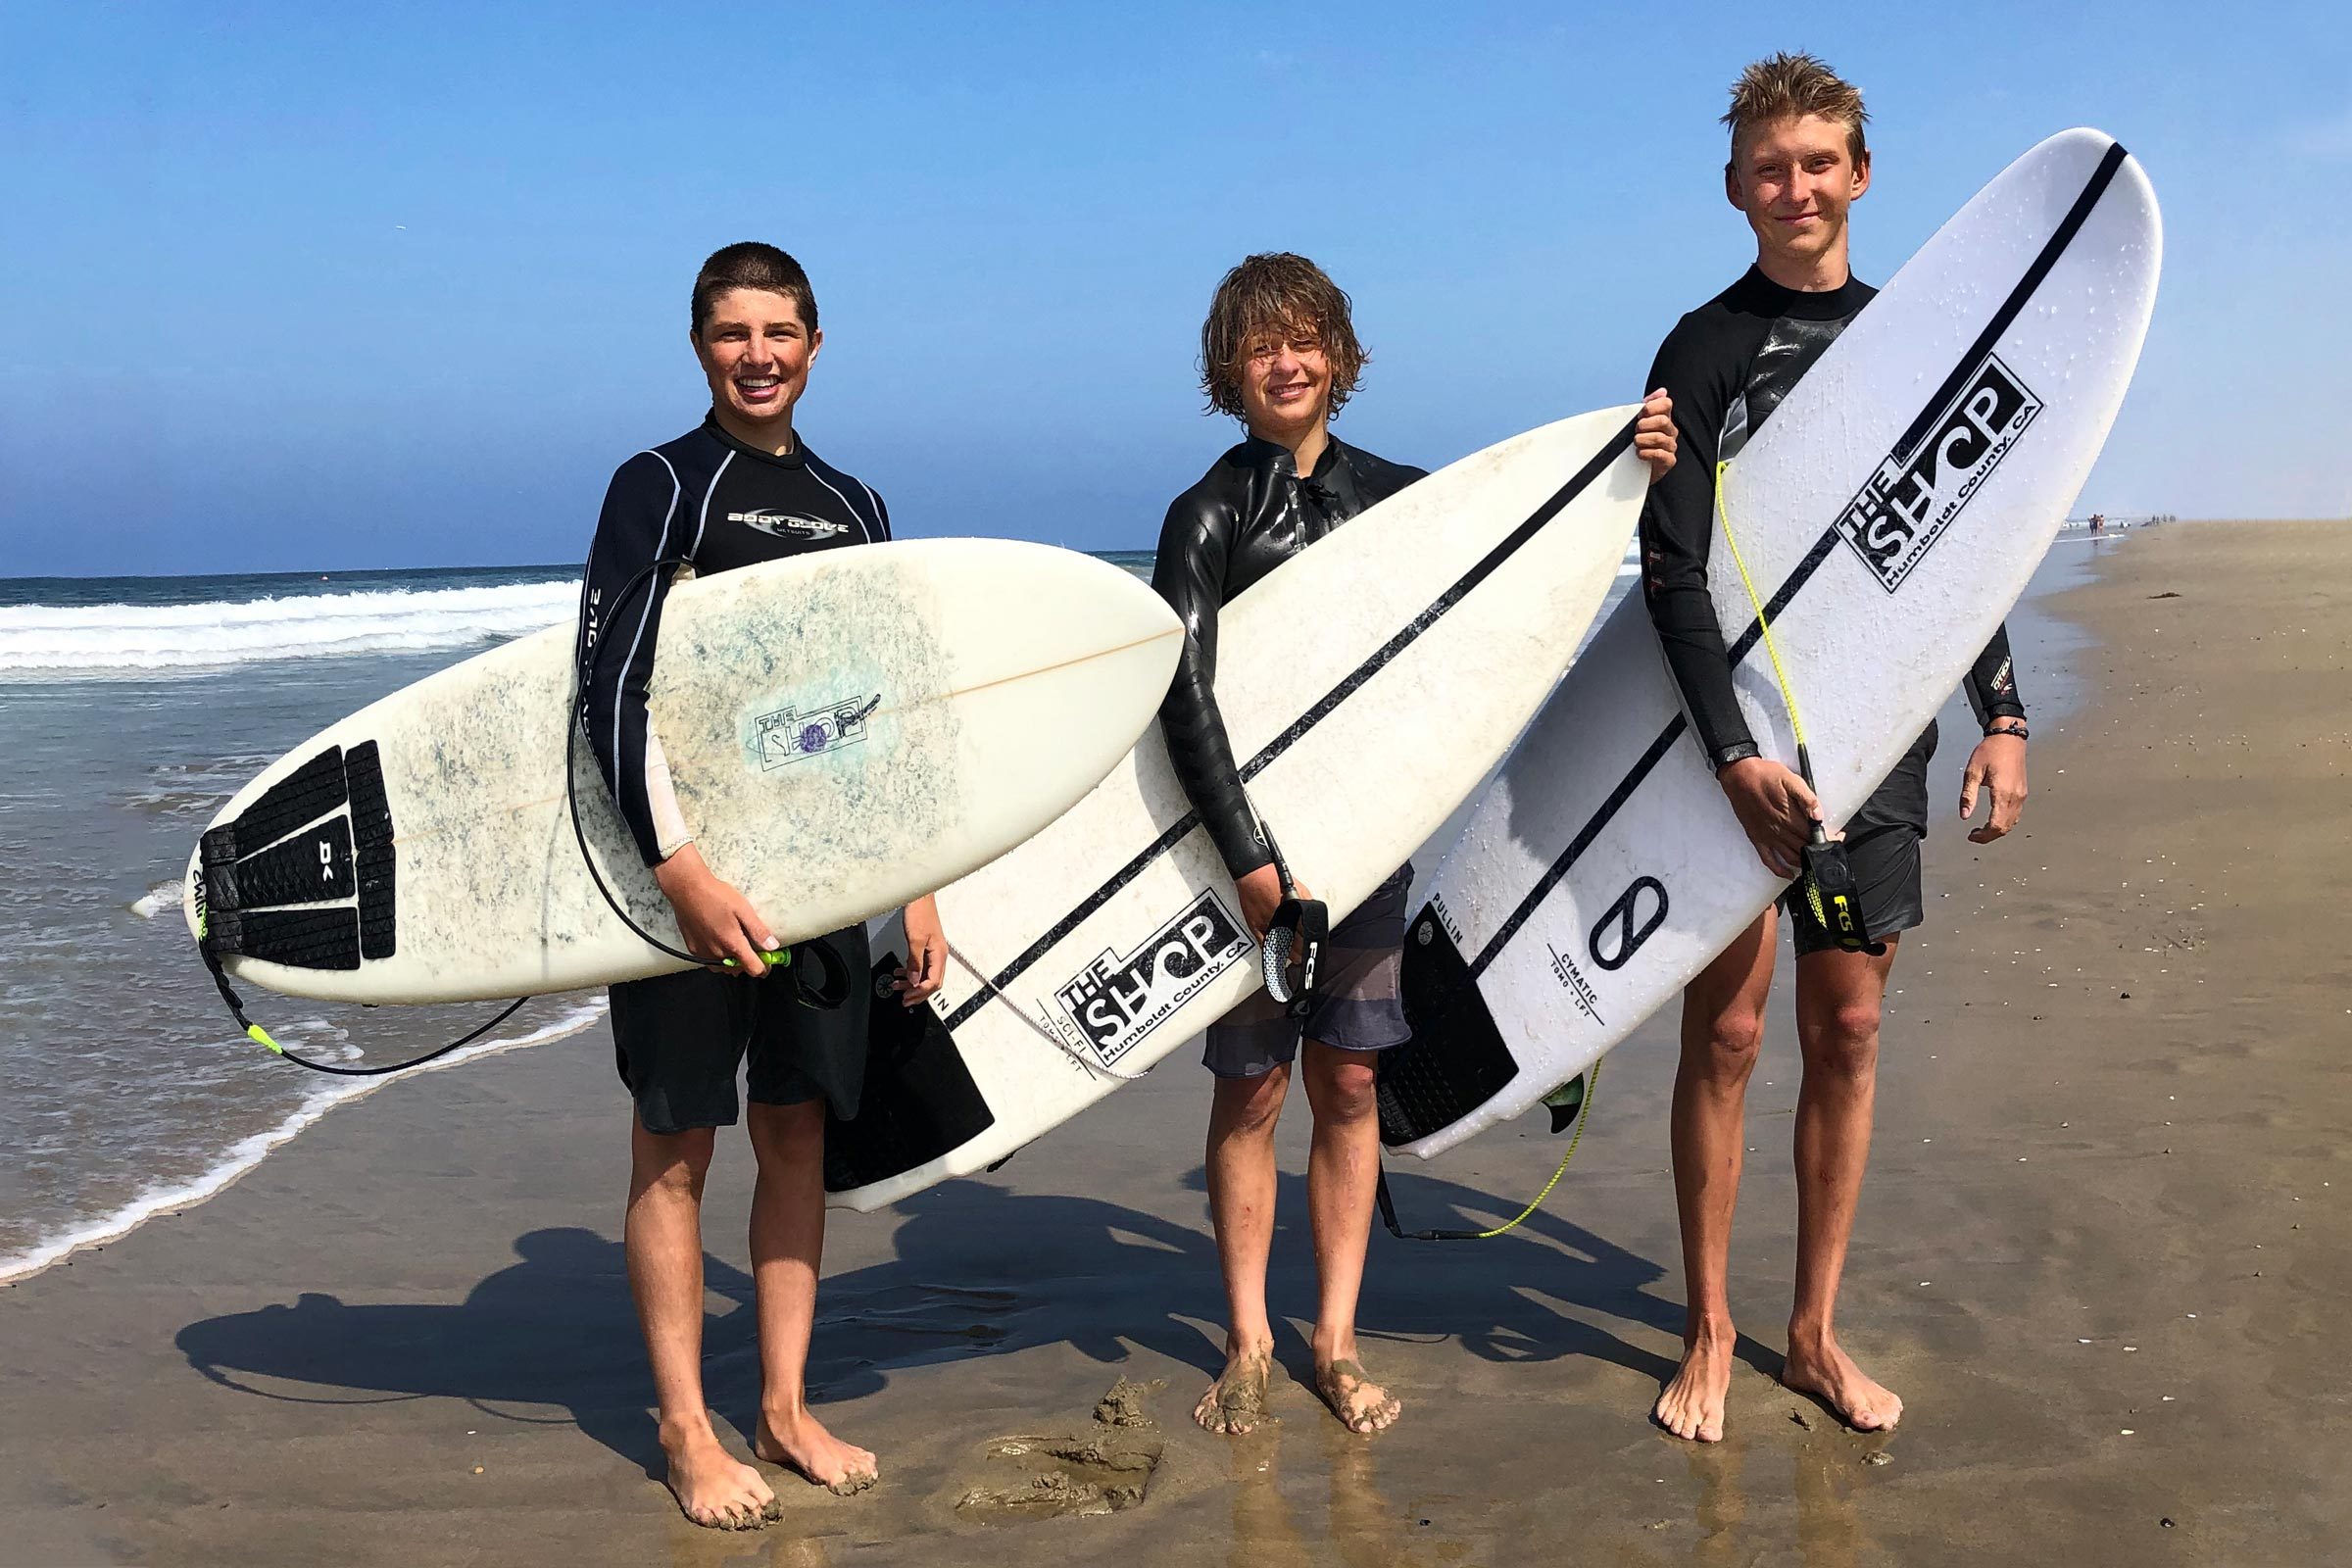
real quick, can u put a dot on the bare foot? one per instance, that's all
(714, 1487)
(1237, 1401)
(1691, 1405)
(802, 1444)
(1825, 1371)
(1362, 1405)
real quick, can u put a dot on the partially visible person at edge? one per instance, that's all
(1279, 353)
(1798, 162)
(740, 488)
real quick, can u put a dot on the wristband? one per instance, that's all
(2015, 726)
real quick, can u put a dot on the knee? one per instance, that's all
(672, 1164)
(1726, 1046)
(1249, 1107)
(1845, 1040)
(1345, 1091)
(787, 1135)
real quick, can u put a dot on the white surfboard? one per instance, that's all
(1367, 684)
(845, 730)
(1890, 510)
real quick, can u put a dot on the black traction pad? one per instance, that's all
(278, 851)
(312, 867)
(1455, 1061)
(301, 798)
(372, 827)
(919, 1099)
(305, 939)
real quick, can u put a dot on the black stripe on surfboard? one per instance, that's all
(1297, 728)
(1453, 596)
(2002, 320)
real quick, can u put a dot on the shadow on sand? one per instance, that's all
(978, 1271)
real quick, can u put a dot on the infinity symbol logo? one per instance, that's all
(1625, 918)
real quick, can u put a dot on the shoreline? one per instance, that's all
(248, 1153)
(2096, 1255)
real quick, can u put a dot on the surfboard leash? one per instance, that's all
(1103, 1069)
(1387, 1205)
(261, 1036)
(1832, 892)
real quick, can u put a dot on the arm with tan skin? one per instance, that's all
(1997, 766)
(926, 953)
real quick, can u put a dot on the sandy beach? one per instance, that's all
(2097, 1253)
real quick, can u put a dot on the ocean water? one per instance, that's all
(130, 710)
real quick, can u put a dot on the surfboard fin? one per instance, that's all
(1565, 1102)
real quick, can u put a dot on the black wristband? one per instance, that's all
(1739, 753)
(2009, 726)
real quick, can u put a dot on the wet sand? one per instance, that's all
(2098, 1254)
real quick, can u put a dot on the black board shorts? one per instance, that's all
(1881, 844)
(679, 1038)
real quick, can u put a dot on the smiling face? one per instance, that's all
(1793, 180)
(756, 352)
(1286, 385)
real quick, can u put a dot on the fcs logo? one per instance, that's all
(788, 525)
(1905, 506)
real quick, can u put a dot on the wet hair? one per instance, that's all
(751, 265)
(1786, 87)
(1276, 294)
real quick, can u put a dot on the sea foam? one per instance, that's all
(65, 640)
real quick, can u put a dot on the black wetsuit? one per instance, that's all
(1729, 364)
(708, 500)
(1247, 514)
(1250, 513)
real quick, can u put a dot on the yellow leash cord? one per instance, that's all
(1583, 1114)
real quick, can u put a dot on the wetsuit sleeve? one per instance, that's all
(1678, 531)
(620, 626)
(1190, 574)
(881, 516)
(1991, 683)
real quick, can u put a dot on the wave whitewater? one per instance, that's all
(120, 638)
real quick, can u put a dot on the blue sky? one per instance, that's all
(308, 286)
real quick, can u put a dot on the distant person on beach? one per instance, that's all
(1797, 163)
(1279, 353)
(740, 488)
(2098, 523)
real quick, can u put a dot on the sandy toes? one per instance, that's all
(1362, 1405)
(714, 1487)
(1235, 1402)
(804, 1446)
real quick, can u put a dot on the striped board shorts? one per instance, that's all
(1355, 1006)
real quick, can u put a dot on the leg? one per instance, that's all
(1240, 1209)
(663, 1236)
(788, 1241)
(1343, 1171)
(1723, 1027)
(1838, 1003)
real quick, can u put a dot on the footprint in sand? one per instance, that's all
(1102, 1471)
